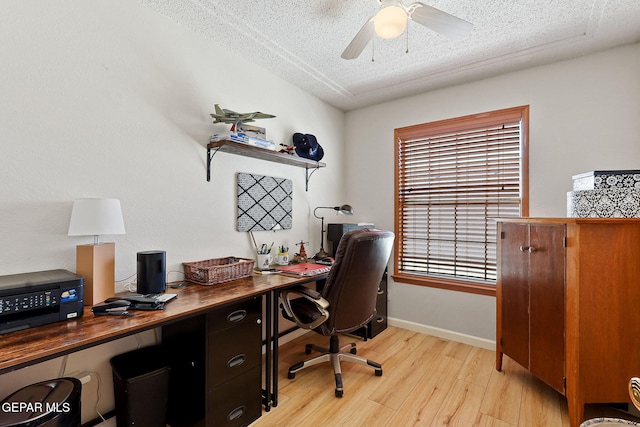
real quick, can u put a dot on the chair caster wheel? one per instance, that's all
(354, 350)
(339, 393)
(292, 375)
(378, 372)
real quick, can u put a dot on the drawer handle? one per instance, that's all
(237, 316)
(236, 413)
(236, 361)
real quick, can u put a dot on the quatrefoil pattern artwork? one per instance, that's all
(264, 203)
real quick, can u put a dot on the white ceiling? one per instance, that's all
(301, 40)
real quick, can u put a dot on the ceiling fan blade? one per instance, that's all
(441, 22)
(359, 42)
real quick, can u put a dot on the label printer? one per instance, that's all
(39, 298)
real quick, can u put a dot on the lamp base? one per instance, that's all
(96, 263)
(321, 254)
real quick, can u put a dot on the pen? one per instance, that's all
(254, 240)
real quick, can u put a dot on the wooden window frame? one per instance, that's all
(454, 125)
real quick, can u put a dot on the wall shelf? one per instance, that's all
(241, 149)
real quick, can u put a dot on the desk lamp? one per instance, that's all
(345, 210)
(96, 262)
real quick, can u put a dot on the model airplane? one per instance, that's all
(222, 115)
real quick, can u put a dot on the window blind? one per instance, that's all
(452, 183)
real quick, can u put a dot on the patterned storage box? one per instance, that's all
(597, 180)
(608, 203)
(605, 194)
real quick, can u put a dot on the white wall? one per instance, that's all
(584, 115)
(111, 99)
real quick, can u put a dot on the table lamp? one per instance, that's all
(345, 210)
(96, 262)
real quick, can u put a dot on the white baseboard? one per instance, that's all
(443, 333)
(416, 327)
(292, 335)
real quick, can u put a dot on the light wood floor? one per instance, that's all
(426, 381)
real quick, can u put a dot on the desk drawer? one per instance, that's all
(233, 351)
(234, 314)
(237, 402)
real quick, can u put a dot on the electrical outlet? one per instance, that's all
(83, 376)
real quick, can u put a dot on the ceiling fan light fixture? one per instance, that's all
(390, 21)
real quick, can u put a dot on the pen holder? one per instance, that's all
(263, 261)
(282, 258)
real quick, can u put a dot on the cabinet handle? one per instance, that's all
(236, 361)
(531, 249)
(236, 413)
(524, 248)
(380, 291)
(237, 316)
(380, 320)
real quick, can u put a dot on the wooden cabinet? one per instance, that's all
(568, 305)
(532, 261)
(216, 366)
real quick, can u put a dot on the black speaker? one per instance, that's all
(151, 272)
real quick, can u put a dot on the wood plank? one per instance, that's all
(439, 383)
(504, 392)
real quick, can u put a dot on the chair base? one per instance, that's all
(334, 354)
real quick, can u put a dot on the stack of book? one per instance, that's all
(244, 139)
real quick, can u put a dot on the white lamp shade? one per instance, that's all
(95, 217)
(390, 21)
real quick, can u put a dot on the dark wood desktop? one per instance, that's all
(28, 347)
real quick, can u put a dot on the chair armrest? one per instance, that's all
(311, 295)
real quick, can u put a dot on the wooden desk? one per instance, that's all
(28, 347)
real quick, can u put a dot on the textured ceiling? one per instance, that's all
(301, 40)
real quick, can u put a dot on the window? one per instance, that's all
(453, 179)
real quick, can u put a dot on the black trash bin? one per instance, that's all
(53, 403)
(140, 387)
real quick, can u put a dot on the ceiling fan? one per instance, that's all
(391, 21)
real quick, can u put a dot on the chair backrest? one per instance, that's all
(352, 284)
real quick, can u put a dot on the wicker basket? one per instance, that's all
(217, 270)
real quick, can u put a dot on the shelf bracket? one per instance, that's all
(210, 154)
(306, 184)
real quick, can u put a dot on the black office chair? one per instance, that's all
(347, 301)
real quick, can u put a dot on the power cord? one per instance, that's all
(98, 395)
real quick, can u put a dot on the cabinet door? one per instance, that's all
(514, 288)
(547, 304)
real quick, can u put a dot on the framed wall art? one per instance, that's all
(264, 202)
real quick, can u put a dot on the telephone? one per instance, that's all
(115, 307)
(139, 302)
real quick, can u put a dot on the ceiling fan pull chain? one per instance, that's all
(407, 51)
(373, 49)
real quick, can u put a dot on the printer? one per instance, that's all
(39, 298)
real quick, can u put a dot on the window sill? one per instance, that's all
(452, 285)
